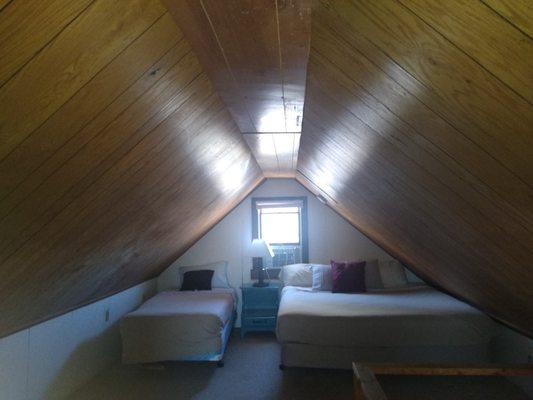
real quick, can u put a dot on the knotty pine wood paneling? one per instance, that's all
(27, 26)
(485, 36)
(255, 53)
(481, 106)
(276, 153)
(116, 154)
(516, 12)
(60, 69)
(422, 140)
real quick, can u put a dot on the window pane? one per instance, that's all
(280, 227)
(276, 210)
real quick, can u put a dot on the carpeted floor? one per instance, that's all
(251, 372)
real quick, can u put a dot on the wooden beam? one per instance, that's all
(453, 369)
(366, 386)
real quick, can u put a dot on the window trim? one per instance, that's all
(303, 215)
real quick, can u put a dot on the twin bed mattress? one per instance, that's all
(175, 325)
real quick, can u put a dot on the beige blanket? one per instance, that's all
(176, 325)
(412, 317)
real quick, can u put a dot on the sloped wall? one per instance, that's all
(51, 360)
(417, 128)
(115, 153)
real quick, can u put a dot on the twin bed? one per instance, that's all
(179, 325)
(320, 329)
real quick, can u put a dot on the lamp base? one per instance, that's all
(260, 284)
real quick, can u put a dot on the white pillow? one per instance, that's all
(392, 274)
(220, 275)
(322, 278)
(372, 275)
(297, 275)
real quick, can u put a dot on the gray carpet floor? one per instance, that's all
(251, 372)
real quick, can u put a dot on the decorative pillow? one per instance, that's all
(197, 280)
(220, 273)
(297, 275)
(372, 276)
(322, 277)
(392, 274)
(348, 277)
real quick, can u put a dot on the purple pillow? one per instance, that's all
(348, 277)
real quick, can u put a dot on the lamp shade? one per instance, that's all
(260, 248)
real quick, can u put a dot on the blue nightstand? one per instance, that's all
(259, 307)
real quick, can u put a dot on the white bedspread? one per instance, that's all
(409, 317)
(175, 325)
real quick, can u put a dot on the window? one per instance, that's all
(282, 222)
(280, 225)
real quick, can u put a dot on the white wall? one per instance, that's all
(330, 236)
(512, 348)
(51, 359)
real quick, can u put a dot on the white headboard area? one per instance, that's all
(172, 276)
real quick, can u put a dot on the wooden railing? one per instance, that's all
(366, 386)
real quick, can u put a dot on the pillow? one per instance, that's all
(322, 277)
(197, 280)
(297, 275)
(220, 273)
(392, 274)
(171, 278)
(348, 277)
(372, 276)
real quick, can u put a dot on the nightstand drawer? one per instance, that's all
(259, 312)
(260, 321)
(260, 298)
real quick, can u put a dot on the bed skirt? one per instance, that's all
(141, 348)
(315, 356)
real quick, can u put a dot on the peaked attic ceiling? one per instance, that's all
(116, 154)
(255, 53)
(417, 125)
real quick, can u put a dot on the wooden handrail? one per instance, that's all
(366, 386)
(452, 369)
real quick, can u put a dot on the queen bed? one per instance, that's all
(179, 325)
(414, 323)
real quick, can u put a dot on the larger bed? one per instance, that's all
(414, 324)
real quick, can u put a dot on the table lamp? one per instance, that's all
(260, 249)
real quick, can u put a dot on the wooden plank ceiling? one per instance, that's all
(418, 128)
(115, 153)
(255, 52)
